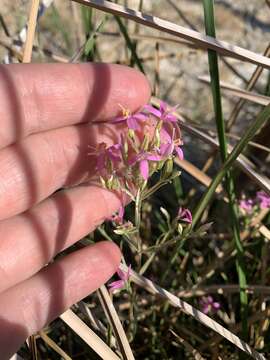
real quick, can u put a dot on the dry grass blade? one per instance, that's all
(190, 310)
(87, 335)
(33, 347)
(203, 41)
(16, 357)
(53, 345)
(236, 328)
(243, 94)
(115, 322)
(32, 22)
(251, 143)
(197, 174)
(190, 349)
(246, 165)
(241, 161)
(250, 86)
(224, 289)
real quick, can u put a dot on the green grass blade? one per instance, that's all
(129, 43)
(87, 16)
(90, 43)
(229, 182)
(58, 23)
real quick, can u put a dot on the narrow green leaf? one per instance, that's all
(89, 46)
(229, 181)
(129, 44)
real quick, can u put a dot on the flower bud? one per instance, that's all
(167, 169)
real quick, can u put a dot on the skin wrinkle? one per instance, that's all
(28, 108)
(9, 164)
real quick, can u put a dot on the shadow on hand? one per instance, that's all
(95, 104)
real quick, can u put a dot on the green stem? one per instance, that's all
(229, 182)
(130, 44)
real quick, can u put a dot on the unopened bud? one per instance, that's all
(180, 229)
(167, 169)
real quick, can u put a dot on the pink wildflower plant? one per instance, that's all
(263, 199)
(184, 215)
(124, 278)
(246, 205)
(143, 158)
(208, 305)
(106, 156)
(127, 165)
(171, 148)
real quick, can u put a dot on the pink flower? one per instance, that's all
(170, 148)
(142, 158)
(118, 218)
(246, 205)
(124, 277)
(132, 120)
(264, 199)
(208, 305)
(104, 154)
(163, 113)
(184, 215)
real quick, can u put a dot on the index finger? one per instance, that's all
(39, 97)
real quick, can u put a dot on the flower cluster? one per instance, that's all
(208, 305)
(151, 140)
(152, 137)
(124, 278)
(250, 205)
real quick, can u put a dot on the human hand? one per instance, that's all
(44, 138)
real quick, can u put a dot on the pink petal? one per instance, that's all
(121, 211)
(153, 157)
(152, 110)
(205, 309)
(121, 274)
(132, 123)
(185, 215)
(140, 116)
(163, 106)
(171, 117)
(166, 149)
(216, 305)
(133, 159)
(165, 134)
(179, 152)
(144, 169)
(116, 285)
